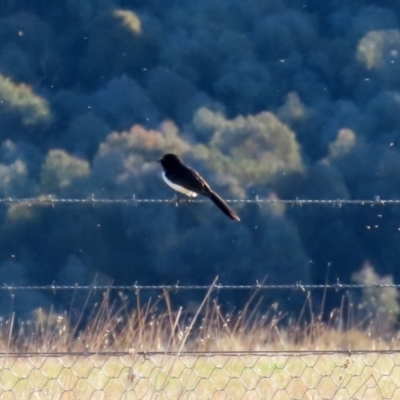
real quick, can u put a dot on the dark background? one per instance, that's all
(276, 99)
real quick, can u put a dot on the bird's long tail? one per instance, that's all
(221, 204)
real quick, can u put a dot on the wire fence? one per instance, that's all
(246, 375)
(217, 287)
(52, 200)
(230, 375)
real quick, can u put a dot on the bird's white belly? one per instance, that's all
(178, 188)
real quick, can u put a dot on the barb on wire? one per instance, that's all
(216, 287)
(51, 200)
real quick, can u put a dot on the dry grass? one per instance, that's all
(145, 375)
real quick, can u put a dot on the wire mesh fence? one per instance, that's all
(284, 371)
(244, 375)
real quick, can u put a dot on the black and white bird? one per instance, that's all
(189, 182)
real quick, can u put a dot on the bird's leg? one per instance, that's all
(177, 199)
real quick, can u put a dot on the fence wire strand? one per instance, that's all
(132, 352)
(52, 200)
(216, 287)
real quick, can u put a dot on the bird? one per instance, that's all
(186, 180)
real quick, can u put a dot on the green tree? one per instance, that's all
(253, 149)
(60, 169)
(381, 304)
(20, 100)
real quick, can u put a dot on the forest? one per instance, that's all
(280, 99)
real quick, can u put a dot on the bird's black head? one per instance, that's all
(170, 160)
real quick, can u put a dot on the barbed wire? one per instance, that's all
(216, 287)
(51, 200)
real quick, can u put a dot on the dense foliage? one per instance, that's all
(279, 98)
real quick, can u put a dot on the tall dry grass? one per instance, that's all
(117, 326)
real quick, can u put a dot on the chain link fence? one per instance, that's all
(245, 375)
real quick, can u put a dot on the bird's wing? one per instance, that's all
(190, 179)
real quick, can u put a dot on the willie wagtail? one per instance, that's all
(189, 182)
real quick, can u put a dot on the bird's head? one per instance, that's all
(169, 160)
